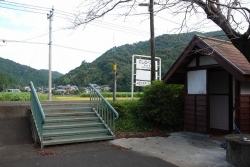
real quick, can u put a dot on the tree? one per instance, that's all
(232, 16)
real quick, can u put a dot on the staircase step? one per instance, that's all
(77, 119)
(63, 109)
(69, 114)
(70, 132)
(58, 105)
(78, 139)
(76, 125)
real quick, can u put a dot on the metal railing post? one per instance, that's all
(103, 108)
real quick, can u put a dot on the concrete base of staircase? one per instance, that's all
(15, 126)
(15, 131)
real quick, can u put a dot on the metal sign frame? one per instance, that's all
(133, 74)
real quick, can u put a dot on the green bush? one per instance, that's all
(119, 107)
(128, 121)
(162, 105)
(84, 94)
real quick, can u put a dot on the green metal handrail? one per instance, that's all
(37, 111)
(103, 108)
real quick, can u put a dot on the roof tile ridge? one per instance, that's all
(225, 58)
(214, 39)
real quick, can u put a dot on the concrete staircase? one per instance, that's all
(73, 123)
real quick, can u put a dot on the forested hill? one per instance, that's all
(168, 48)
(14, 75)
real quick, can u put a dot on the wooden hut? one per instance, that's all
(217, 86)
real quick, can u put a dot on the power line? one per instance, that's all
(67, 15)
(40, 43)
(113, 27)
(24, 6)
(45, 34)
(26, 42)
(45, 8)
(22, 10)
(83, 50)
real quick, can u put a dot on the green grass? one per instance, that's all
(21, 96)
(69, 98)
(25, 96)
(78, 98)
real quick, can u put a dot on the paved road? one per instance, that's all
(93, 154)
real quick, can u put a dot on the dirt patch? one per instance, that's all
(151, 133)
(119, 147)
(47, 153)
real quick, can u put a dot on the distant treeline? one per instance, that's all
(168, 47)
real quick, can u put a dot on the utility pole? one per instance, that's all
(152, 37)
(152, 40)
(50, 17)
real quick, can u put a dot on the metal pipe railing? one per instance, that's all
(37, 111)
(103, 108)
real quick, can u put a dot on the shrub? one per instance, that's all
(162, 105)
(119, 107)
(128, 121)
(84, 94)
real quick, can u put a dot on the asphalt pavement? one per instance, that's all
(92, 154)
(179, 149)
(182, 149)
(18, 150)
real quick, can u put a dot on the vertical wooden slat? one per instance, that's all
(244, 114)
(230, 100)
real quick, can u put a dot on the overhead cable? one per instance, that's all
(41, 43)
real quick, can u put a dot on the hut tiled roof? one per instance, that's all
(223, 52)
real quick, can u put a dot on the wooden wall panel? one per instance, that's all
(189, 114)
(201, 113)
(196, 113)
(244, 114)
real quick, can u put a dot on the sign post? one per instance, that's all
(141, 71)
(114, 91)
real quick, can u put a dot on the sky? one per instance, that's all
(24, 36)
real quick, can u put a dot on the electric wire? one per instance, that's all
(22, 6)
(26, 5)
(29, 63)
(41, 43)
(26, 69)
(44, 34)
(67, 15)
(22, 10)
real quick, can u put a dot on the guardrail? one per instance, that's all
(103, 108)
(37, 112)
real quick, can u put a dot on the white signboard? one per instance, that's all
(145, 64)
(144, 75)
(142, 83)
(141, 71)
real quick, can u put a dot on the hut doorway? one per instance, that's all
(219, 92)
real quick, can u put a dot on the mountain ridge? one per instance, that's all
(20, 75)
(168, 47)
